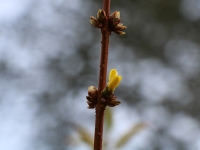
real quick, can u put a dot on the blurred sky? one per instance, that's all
(17, 105)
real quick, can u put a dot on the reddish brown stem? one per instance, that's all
(102, 79)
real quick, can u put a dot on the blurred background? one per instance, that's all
(49, 55)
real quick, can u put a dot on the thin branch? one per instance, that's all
(102, 79)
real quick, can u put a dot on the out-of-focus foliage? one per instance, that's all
(108, 119)
(108, 143)
(85, 136)
(127, 136)
(49, 55)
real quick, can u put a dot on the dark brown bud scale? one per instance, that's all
(95, 23)
(92, 97)
(114, 22)
(101, 15)
(109, 101)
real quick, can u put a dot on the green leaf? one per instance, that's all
(127, 136)
(85, 136)
(108, 119)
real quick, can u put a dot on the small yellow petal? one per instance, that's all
(112, 84)
(120, 78)
(113, 73)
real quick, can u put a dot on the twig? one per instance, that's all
(104, 95)
(102, 79)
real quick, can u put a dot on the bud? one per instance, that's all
(101, 15)
(94, 22)
(113, 103)
(120, 26)
(112, 84)
(110, 101)
(106, 93)
(114, 80)
(92, 91)
(90, 105)
(114, 19)
(115, 15)
(119, 32)
(114, 22)
(90, 99)
(113, 73)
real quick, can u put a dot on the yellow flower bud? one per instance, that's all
(113, 73)
(114, 80)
